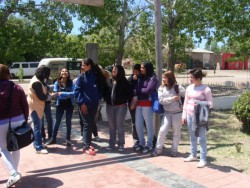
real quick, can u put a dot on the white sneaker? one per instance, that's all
(190, 158)
(80, 139)
(14, 178)
(201, 164)
(43, 151)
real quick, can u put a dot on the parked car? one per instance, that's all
(29, 69)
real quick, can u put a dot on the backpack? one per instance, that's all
(176, 88)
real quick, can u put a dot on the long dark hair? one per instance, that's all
(68, 81)
(97, 70)
(149, 69)
(120, 73)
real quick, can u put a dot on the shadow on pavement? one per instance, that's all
(39, 182)
(118, 158)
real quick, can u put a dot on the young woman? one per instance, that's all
(19, 111)
(146, 86)
(196, 92)
(172, 112)
(88, 92)
(117, 95)
(64, 88)
(94, 129)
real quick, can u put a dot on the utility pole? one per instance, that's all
(158, 50)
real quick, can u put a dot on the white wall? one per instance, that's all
(225, 102)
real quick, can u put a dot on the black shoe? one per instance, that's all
(51, 141)
(154, 154)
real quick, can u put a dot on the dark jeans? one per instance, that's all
(59, 113)
(88, 121)
(94, 128)
(134, 133)
(48, 116)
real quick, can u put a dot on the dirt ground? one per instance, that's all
(220, 76)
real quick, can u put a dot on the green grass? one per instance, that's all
(227, 145)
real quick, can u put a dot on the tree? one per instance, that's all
(46, 14)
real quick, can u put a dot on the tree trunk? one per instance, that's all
(171, 37)
(158, 52)
(122, 34)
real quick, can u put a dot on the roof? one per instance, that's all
(199, 50)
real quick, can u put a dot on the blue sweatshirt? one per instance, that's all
(86, 89)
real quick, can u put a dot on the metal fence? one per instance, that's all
(227, 88)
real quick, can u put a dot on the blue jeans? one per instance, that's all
(88, 121)
(59, 113)
(116, 117)
(37, 130)
(193, 140)
(144, 113)
(48, 116)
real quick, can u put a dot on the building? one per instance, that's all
(226, 64)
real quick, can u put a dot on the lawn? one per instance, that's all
(227, 145)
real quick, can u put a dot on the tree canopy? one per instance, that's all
(31, 30)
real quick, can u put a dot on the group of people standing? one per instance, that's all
(120, 94)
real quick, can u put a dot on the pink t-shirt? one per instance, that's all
(201, 93)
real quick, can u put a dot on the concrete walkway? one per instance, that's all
(68, 167)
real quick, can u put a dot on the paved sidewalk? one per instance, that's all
(68, 167)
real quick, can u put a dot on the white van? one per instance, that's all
(56, 64)
(29, 69)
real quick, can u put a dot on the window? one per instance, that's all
(15, 66)
(74, 65)
(25, 65)
(33, 65)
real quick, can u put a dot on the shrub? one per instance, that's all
(241, 109)
(20, 76)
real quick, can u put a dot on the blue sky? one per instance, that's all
(77, 24)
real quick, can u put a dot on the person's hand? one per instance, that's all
(184, 121)
(84, 109)
(135, 77)
(176, 98)
(53, 95)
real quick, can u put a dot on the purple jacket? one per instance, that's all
(19, 101)
(146, 87)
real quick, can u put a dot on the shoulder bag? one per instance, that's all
(157, 107)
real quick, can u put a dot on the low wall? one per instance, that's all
(225, 102)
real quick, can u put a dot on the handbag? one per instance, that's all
(20, 136)
(156, 106)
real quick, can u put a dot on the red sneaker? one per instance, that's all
(91, 148)
(89, 151)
